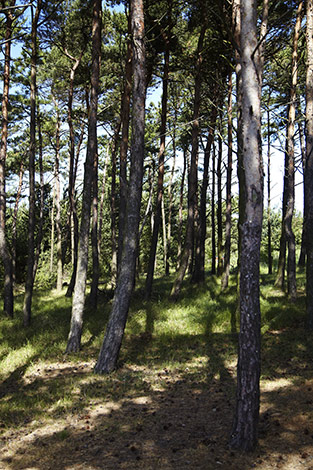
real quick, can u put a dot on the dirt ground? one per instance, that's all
(176, 419)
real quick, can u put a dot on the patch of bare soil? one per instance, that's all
(179, 419)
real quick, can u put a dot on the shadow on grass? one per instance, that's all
(170, 403)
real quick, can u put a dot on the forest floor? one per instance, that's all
(170, 403)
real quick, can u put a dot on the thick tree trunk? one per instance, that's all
(226, 272)
(158, 210)
(32, 153)
(245, 429)
(309, 162)
(109, 352)
(74, 339)
(8, 300)
(193, 173)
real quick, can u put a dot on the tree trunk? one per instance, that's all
(93, 297)
(108, 356)
(180, 210)
(213, 225)
(8, 299)
(14, 227)
(302, 257)
(199, 269)
(309, 162)
(158, 210)
(226, 273)
(32, 153)
(219, 208)
(113, 215)
(74, 339)
(290, 238)
(124, 144)
(170, 200)
(269, 222)
(42, 195)
(245, 429)
(193, 173)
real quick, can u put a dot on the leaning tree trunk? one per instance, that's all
(245, 428)
(74, 338)
(32, 153)
(309, 163)
(8, 304)
(109, 352)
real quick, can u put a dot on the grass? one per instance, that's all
(189, 345)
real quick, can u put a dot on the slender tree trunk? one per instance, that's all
(199, 269)
(59, 282)
(157, 218)
(14, 222)
(226, 273)
(32, 153)
(170, 201)
(302, 257)
(109, 352)
(193, 174)
(219, 208)
(180, 210)
(93, 297)
(74, 220)
(8, 299)
(74, 339)
(309, 163)
(280, 276)
(290, 238)
(101, 210)
(213, 224)
(52, 227)
(245, 428)
(124, 144)
(269, 222)
(42, 195)
(113, 219)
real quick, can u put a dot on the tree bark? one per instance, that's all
(8, 299)
(74, 339)
(93, 296)
(32, 153)
(109, 352)
(14, 222)
(309, 162)
(180, 210)
(245, 429)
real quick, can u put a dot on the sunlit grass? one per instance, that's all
(192, 336)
